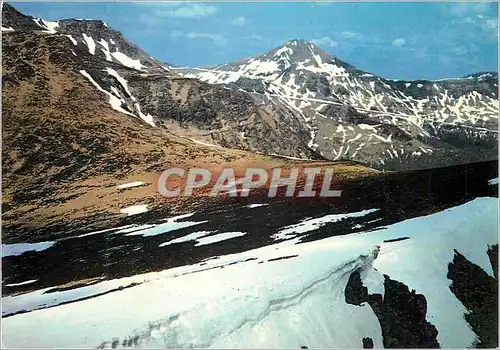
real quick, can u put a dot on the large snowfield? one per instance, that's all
(254, 299)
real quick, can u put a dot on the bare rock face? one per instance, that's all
(223, 117)
(367, 343)
(478, 292)
(401, 313)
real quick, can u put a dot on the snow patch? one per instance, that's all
(191, 237)
(105, 49)
(20, 283)
(126, 60)
(114, 101)
(218, 238)
(314, 224)
(21, 248)
(48, 25)
(131, 184)
(171, 224)
(72, 39)
(366, 127)
(89, 41)
(121, 80)
(148, 118)
(256, 205)
(135, 209)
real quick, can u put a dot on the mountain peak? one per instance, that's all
(300, 45)
(299, 52)
(16, 20)
(297, 42)
(93, 36)
(12, 18)
(292, 54)
(91, 27)
(97, 22)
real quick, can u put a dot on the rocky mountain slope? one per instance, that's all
(296, 100)
(357, 115)
(92, 35)
(138, 85)
(75, 126)
(62, 157)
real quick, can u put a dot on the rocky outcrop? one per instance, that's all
(401, 313)
(478, 292)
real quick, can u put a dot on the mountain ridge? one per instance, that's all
(112, 45)
(324, 52)
(306, 97)
(309, 80)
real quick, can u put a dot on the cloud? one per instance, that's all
(474, 21)
(458, 50)
(398, 42)
(239, 21)
(490, 26)
(487, 25)
(320, 4)
(254, 37)
(491, 23)
(353, 40)
(467, 9)
(188, 11)
(176, 34)
(324, 42)
(349, 34)
(218, 40)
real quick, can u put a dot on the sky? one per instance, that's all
(393, 40)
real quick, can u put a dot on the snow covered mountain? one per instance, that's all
(356, 115)
(296, 100)
(92, 35)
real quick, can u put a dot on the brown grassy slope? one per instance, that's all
(64, 149)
